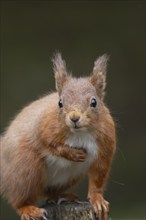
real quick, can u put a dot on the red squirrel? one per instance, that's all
(57, 139)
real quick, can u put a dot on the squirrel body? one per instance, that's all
(63, 170)
(55, 140)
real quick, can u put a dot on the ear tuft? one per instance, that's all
(98, 78)
(100, 65)
(59, 64)
(60, 71)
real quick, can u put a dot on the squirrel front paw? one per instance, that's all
(32, 213)
(77, 155)
(63, 197)
(100, 206)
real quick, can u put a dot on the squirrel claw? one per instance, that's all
(61, 200)
(100, 206)
(44, 217)
(50, 201)
(32, 213)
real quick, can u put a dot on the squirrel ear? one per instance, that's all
(60, 71)
(98, 78)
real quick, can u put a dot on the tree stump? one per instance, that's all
(70, 211)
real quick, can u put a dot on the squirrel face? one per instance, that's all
(79, 104)
(80, 99)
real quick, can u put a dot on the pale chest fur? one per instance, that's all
(61, 171)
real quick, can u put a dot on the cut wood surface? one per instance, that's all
(70, 211)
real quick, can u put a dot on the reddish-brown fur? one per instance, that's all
(30, 142)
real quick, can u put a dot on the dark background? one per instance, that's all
(82, 30)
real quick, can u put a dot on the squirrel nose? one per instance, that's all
(75, 119)
(74, 116)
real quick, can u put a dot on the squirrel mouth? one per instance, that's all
(77, 127)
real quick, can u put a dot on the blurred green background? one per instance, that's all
(82, 30)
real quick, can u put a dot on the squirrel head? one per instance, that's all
(80, 99)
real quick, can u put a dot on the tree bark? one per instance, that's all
(70, 211)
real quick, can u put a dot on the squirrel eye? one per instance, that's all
(60, 103)
(93, 103)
